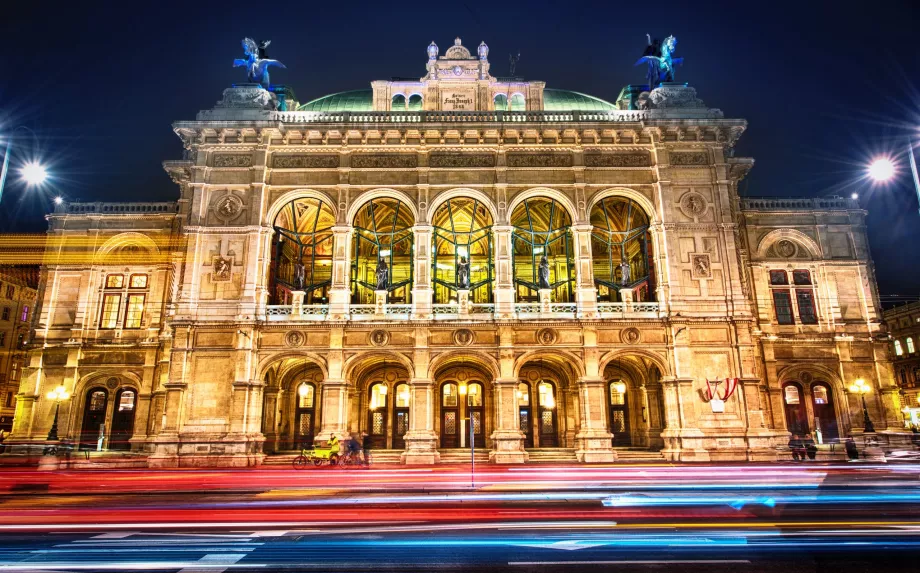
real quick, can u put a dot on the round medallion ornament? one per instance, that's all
(693, 204)
(786, 249)
(806, 378)
(378, 337)
(294, 338)
(463, 337)
(458, 71)
(111, 383)
(547, 336)
(631, 336)
(228, 207)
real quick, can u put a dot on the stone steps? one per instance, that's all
(462, 456)
(551, 455)
(638, 455)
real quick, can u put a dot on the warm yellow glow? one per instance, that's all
(859, 386)
(303, 390)
(462, 389)
(59, 393)
(520, 394)
(382, 390)
(620, 387)
(474, 389)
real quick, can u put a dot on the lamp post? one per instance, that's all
(59, 394)
(861, 388)
(33, 173)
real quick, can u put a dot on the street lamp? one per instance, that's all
(881, 169)
(33, 173)
(59, 394)
(861, 388)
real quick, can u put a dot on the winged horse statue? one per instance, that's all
(256, 66)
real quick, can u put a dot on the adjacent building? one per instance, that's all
(572, 277)
(904, 326)
(18, 290)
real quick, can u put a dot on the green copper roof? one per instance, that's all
(363, 100)
(564, 100)
(355, 100)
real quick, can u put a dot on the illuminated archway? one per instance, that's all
(542, 228)
(621, 249)
(462, 236)
(382, 233)
(302, 251)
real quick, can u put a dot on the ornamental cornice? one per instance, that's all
(693, 226)
(207, 230)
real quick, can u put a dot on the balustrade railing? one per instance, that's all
(286, 312)
(792, 204)
(459, 116)
(482, 308)
(527, 307)
(445, 308)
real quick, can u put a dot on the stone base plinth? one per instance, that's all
(421, 449)
(198, 451)
(508, 447)
(594, 447)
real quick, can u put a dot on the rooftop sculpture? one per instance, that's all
(254, 64)
(660, 61)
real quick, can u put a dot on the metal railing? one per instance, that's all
(459, 116)
(782, 204)
(121, 208)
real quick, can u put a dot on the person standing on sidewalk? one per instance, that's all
(366, 446)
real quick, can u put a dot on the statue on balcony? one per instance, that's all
(625, 272)
(661, 63)
(254, 64)
(299, 276)
(543, 273)
(463, 274)
(383, 275)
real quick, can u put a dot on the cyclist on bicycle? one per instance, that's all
(353, 448)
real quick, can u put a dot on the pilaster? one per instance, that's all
(504, 279)
(507, 438)
(421, 439)
(422, 292)
(593, 442)
(339, 291)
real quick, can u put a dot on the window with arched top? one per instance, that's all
(382, 251)
(398, 103)
(500, 102)
(449, 395)
(898, 349)
(542, 230)
(305, 395)
(621, 249)
(523, 394)
(910, 345)
(461, 254)
(819, 392)
(302, 251)
(795, 409)
(518, 103)
(402, 395)
(546, 393)
(791, 394)
(415, 102)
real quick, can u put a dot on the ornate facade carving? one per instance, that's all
(231, 160)
(617, 160)
(539, 160)
(460, 160)
(384, 161)
(681, 158)
(305, 161)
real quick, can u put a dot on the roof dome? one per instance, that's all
(355, 100)
(565, 100)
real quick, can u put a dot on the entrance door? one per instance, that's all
(450, 416)
(524, 413)
(825, 415)
(794, 404)
(378, 416)
(401, 417)
(476, 413)
(306, 415)
(546, 392)
(123, 419)
(618, 417)
(93, 417)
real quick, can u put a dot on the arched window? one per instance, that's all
(897, 348)
(415, 102)
(302, 259)
(518, 103)
(618, 413)
(542, 228)
(910, 345)
(398, 103)
(621, 249)
(501, 102)
(462, 235)
(820, 393)
(794, 405)
(305, 414)
(382, 233)
(791, 394)
(305, 395)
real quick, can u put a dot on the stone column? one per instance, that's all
(340, 290)
(760, 438)
(166, 444)
(593, 441)
(644, 414)
(585, 291)
(422, 292)
(334, 410)
(245, 440)
(504, 272)
(507, 438)
(421, 439)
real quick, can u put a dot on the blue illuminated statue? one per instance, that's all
(661, 63)
(254, 64)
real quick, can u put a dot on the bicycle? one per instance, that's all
(318, 455)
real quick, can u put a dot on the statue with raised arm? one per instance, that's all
(383, 275)
(255, 64)
(543, 273)
(660, 60)
(463, 274)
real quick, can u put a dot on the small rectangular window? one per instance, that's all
(801, 278)
(134, 312)
(10, 399)
(778, 278)
(114, 281)
(806, 302)
(6, 313)
(111, 304)
(10, 291)
(2, 339)
(25, 314)
(783, 304)
(138, 281)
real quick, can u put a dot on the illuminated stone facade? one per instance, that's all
(18, 286)
(904, 326)
(265, 318)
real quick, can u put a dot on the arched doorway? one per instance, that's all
(539, 401)
(401, 415)
(542, 231)
(385, 405)
(378, 414)
(618, 413)
(123, 419)
(525, 414)
(462, 402)
(822, 401)
(621, 250)
(382, 238)
(93, 417)
(305, 415)
(794, 406)
(302, 251)
(549, 429)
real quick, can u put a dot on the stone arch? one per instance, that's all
(99, 379)
(368, 196)
(446, 196)
(625, 193)
(798, 237)
(270, 361)
(475, 357)
(820, 373)
(359, 364)
(624, 353)
(558, 196)
(286, 198)
(122, 240)
(571, 364)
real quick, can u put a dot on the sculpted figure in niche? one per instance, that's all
(701, 265)
(221, 268)
(624, 273)
(463, 274)
(543, 273)
(299, 276)
(383, 275)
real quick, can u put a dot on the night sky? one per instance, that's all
(825, 86)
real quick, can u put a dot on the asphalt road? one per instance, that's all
(781, 518)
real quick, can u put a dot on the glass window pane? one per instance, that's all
(801, 277)
(379, 396)
(779, 278)
(547, 395)
(134, 311)
(305, 394)
(402, 396)
(474, 392)
(523, 394)
(806, 302)
(910, 345)
(820, 394)
(114, 281)
(897, 348)
(97, 401)
(138, 281)
(782, 302)
(126, 401)
(111, 304)
(449, 395)
(791, 394)
(617, 398)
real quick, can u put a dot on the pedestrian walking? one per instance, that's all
(797, 447)
(811, 449)
(850, 446)
(366, 446)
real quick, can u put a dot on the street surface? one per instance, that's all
(734, 518)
